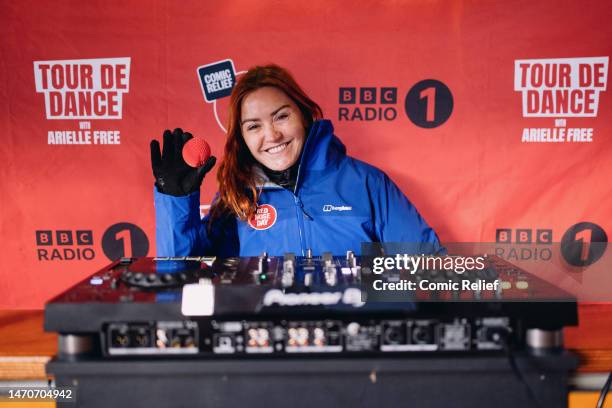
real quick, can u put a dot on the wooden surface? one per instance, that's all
(25, 347)
(579, 399)
(592, 338)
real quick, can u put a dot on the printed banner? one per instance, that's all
(493, 118)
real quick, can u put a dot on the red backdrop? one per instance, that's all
(474, 177)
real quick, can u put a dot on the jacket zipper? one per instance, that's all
(300, 219)
(299, 210)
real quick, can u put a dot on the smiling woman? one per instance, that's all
(273, 128)
(285, 184)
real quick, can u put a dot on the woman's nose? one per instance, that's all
(272, 133)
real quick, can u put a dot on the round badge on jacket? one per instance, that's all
(264, 218)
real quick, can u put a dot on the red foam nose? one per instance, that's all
(196, 151)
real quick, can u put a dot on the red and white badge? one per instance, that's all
(264, 218)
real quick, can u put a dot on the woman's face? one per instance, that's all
(273, 128)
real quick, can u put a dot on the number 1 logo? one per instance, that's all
(583, 244)
(429, 103)
(124, 240)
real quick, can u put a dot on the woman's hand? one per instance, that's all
(172, 175)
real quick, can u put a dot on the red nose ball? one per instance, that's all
(196, 151)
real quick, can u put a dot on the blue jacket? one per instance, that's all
(338, 203)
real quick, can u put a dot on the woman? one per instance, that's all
(285, 185)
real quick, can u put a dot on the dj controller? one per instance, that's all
(299, 307)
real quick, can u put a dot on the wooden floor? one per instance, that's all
(592, 338)
(24, 346)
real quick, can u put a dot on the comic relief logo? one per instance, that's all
(82, 90)
(428, 103)
(264, 217)
(560, 88)
(217, 80)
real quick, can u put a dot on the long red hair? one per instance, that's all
(238, 191)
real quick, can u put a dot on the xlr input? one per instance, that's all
(422, 334)
(394, 333)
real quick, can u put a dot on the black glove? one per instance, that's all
(172, 175)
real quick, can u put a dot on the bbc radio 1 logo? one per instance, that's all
(582, 244)
(65, 245)
(523, 236)
(119, 240)
(428, 104)
(124, 240)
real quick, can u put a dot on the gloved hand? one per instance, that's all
(172, 175)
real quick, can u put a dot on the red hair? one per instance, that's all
(238, 192)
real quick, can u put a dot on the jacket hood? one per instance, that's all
(322, 148)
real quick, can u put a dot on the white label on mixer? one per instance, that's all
(198, 299)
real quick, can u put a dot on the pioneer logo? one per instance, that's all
(329, 208)
(351, 296)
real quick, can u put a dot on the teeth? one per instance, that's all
(278, 148)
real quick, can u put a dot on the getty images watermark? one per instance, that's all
(403, 272)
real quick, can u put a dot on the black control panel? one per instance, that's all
(208, 307)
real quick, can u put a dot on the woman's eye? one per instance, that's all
(282, 116)
(252, 127)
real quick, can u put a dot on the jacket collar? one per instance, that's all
(321, 150)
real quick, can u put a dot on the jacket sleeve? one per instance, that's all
(398, 221)
(179, 231)
(178, 228)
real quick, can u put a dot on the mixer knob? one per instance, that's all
(289, 262)
(287, 280)
(351, 261)
(330, 275)
(151, 277)
(288, 270)
(166, 277)
(288, 267)
(262, 266)
(352, 329)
